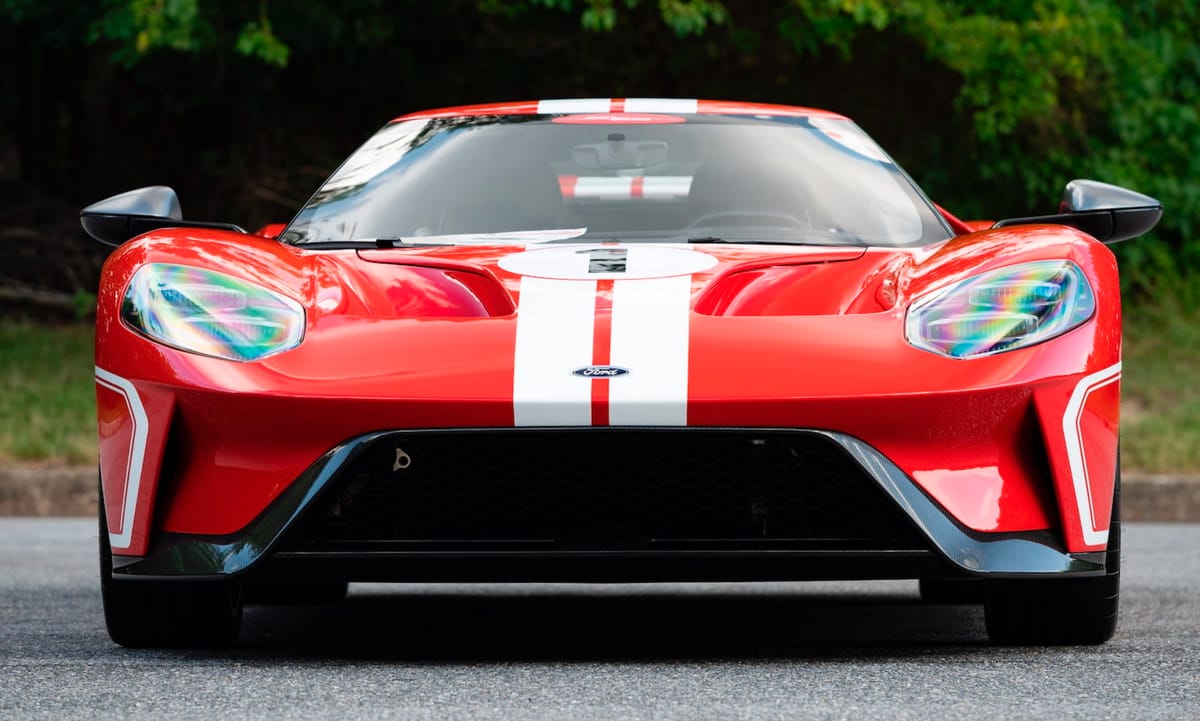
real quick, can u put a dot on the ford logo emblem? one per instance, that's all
(600, 371)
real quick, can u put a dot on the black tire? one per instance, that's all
(952, 591)
(314, 593)
(159, 614)
(1074, 611)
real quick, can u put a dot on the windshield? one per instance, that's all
(698, 178)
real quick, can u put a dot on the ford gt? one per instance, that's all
(611, 340)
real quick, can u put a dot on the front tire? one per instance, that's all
(159, 614)
(1060, 611)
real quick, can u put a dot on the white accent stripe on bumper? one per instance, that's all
(1075, 455)
(137, 454)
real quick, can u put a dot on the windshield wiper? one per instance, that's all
(507, 237)
(776, 241)
(364, 244)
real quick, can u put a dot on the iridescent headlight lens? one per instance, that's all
(1002, 310)
(211, 313)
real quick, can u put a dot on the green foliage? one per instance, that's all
(1152, 138)
(137, 27)
(84, 304)
(258, 40)
(992, 105)
(1057, 89)
(684, 17)
(691, 17)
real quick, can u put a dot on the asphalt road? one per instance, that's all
(762, 651)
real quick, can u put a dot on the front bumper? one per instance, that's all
(902, 533)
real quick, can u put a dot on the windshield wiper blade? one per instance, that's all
(762, 241)
(364, 244)
(508, 237)
(833, 242)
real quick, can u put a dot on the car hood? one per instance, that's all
(719, 279)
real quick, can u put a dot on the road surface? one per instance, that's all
(761, 651)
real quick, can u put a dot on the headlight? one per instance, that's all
(1002, 310)
(211, 313)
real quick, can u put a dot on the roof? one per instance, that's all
(616, 106)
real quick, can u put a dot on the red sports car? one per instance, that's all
(611, 340)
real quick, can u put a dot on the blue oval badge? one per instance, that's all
(600, 371)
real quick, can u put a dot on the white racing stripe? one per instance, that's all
(660, 105)
(574, 105)
(555, 324)
(137, 454)
(605, 105)
(650, 338)
(1074, 439)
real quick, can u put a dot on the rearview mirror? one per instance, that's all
(620, 154)
(1107, 212)
(114, 220)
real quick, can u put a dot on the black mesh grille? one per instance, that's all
(606, 488)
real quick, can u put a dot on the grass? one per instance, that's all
(48, 406)
(47, 396)
(1160, 384)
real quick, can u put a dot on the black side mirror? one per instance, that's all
(1110, 213)
(114, 220)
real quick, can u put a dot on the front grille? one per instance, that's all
(606, 489)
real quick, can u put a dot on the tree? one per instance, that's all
(244, 106)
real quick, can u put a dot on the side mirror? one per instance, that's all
(114, 220)
(1110, 213)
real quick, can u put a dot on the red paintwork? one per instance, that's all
(958, 226)
(271, 230)
(962, 227)
(779, 337)
(115, 423)
(1099, 427)
(407, 343)
(116, 429)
